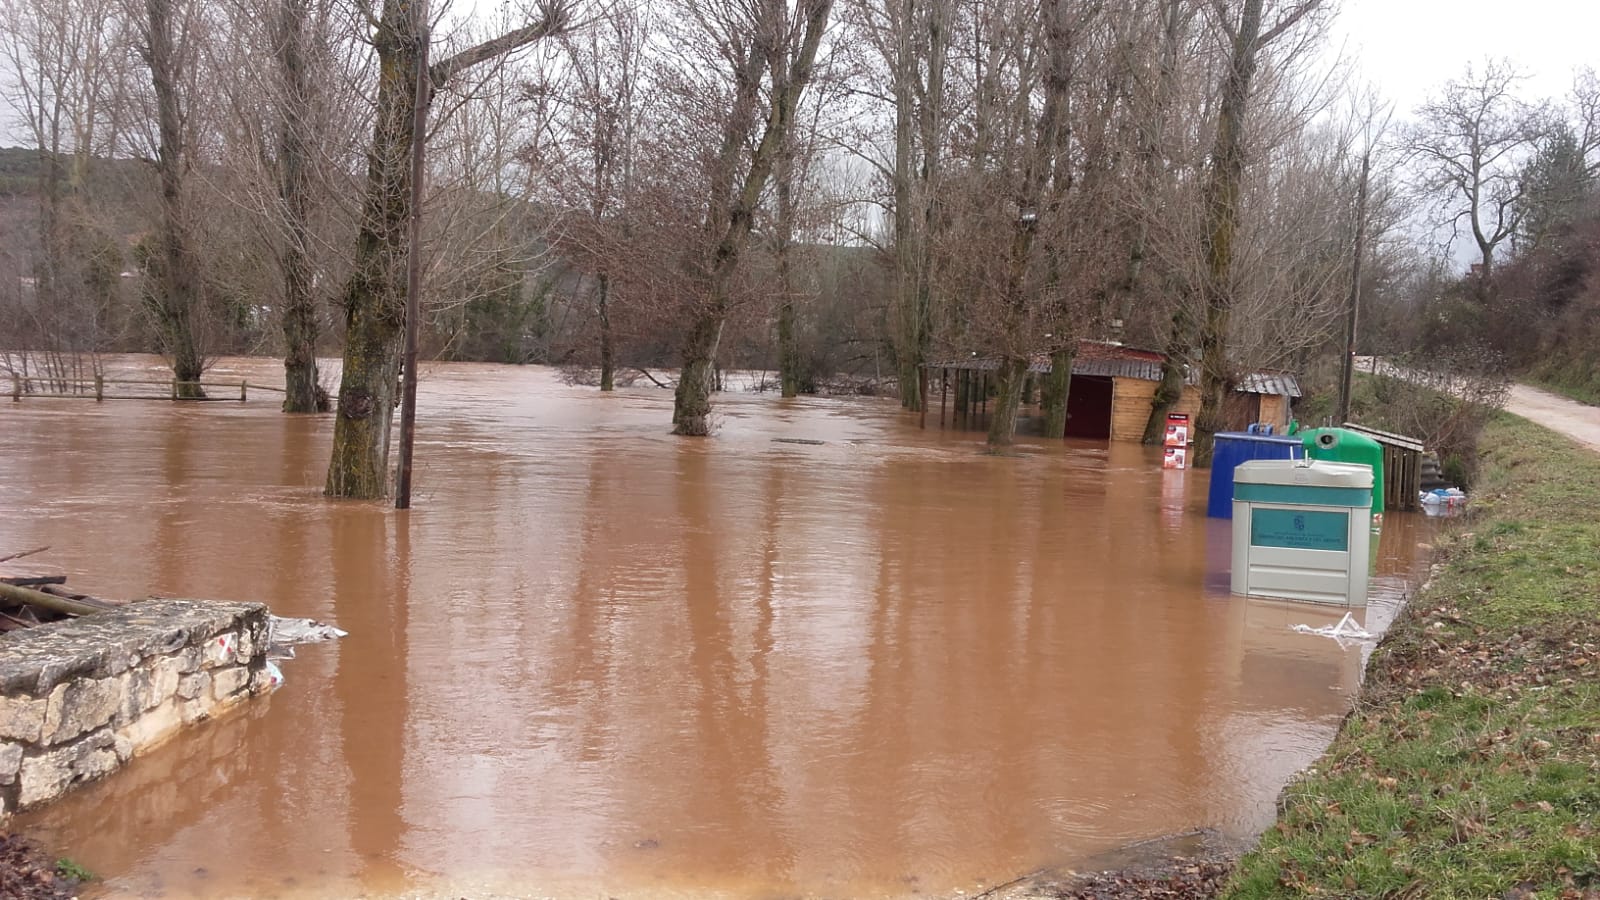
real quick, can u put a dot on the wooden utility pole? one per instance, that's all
(1347, 371)
(408, 387)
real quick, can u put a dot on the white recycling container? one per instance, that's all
(1301, 530)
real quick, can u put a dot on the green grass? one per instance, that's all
(1471, 765)
(70, 870)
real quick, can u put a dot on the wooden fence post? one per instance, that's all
(242, 385)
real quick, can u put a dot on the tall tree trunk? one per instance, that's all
(374, 298)
(733, 212)
(906, 253)
(1007, 400)
(607, 353)
(301, 393)
(1038, 172)
(788, 340)
(1222, 222)
(1057, 385)
(175, 299)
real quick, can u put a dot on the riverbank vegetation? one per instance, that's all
(1470, 766)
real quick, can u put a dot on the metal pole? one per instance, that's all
(1347, 371)
(408, 387)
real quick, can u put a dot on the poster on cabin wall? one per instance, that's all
(1177, 442)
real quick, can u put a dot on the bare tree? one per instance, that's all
(58, 59)
(374, 298)
(1469, 145)
(1248, 32)
(764, 46)
(170, 34)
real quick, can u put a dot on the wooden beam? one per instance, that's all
(64, 605)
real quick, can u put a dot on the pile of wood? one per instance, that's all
(32, 594)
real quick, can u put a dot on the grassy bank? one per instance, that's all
(1471, 765)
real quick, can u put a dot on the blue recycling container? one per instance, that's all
(1235, 447)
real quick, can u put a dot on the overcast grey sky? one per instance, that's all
(1409, 47)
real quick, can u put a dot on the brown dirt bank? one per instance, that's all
(27, 873)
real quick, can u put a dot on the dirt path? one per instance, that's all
(1557, 413)
(1568, 417)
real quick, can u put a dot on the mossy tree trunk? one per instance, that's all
(174, 298)
(1058, 384)
(1008, 399)
(374, 298)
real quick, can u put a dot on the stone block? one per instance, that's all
(10, 762)
(95, 764)
(195, 685)
(188, 660)
(85, 705)
(221, 650)
(123, 747)
(44, 777)
(21, 718)
(196, 710)
(225, 682)
(165, 673)
(154, 726)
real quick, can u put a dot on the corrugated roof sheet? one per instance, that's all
(1270, 383)
(1111, 360)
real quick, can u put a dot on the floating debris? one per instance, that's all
(1347, 629)
(283, 634)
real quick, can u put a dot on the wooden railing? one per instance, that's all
(95, 388)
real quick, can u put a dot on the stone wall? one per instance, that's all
(81, 697)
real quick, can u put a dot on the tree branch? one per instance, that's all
(554, 18)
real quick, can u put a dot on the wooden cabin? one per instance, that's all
(1109, 398)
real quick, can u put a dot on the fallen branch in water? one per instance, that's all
(646, 373)
(6, 559)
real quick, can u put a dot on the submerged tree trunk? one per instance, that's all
(175, 298)
(1058, 384)
(733, 211)
(607, 354)
(1174, 365)
(788, 351)
(301, 394)
(374, 298)
(691, 407)
(1008, 399)
(788, 341)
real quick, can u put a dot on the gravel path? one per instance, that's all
(1568, 417)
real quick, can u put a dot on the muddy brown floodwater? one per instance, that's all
(598, 660)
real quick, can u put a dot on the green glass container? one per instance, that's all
(1346, 446)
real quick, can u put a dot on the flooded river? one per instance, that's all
(598, 660)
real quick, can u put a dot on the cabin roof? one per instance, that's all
(1117, 361)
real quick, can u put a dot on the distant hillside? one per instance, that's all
(110, 180)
